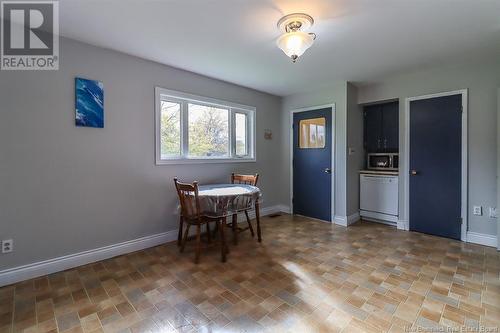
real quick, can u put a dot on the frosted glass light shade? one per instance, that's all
(295, 43)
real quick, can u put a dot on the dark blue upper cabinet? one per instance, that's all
(373, 128)
(390, 127)
(381, 128)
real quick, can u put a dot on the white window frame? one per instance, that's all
(162, 94)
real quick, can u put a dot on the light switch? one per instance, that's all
(477, 210)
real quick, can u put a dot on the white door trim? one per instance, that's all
(292, 112)
(406, 170)
(498, 167)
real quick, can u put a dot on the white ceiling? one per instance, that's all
(234, 40)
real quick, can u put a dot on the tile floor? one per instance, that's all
(306, 276)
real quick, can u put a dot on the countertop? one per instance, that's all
(379, 172)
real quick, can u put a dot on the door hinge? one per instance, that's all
(461, 109)
(460, 220)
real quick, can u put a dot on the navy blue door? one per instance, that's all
(435, 166)
(312, 162)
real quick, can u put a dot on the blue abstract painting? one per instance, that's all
(89, 103)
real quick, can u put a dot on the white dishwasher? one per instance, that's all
(379, 197)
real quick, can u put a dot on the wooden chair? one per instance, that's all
(247, 180)
(192, 215)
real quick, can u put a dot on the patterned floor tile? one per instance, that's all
(306, 276)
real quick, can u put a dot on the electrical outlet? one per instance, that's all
(7, 246)
(493, 212)
(477, 210)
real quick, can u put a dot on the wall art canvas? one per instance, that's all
(89, 97)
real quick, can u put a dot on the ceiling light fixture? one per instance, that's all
(294, 42)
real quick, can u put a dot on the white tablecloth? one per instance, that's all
(221, 200)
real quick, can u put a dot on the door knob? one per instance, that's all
(413, 172)
(328, 170)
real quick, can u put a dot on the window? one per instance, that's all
(241, 123)
(208, 131)
(194, 129)
(312, 133)
(170, 129)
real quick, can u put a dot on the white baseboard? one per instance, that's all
(371, 219)
(353, 218)
(340, 220)
(25, 272)
(482, 239)
(378, 216)
(265, 211)
(403, 225)
(45, 267)
(472, 237)
(283, 209)
(346, 221)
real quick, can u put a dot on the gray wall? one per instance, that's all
(482, 81)
(355, 159)
(66, 189)
(335, 93)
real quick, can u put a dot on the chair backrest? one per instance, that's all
(244, 179)
(188, 198)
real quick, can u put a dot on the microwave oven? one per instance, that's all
(383, 161)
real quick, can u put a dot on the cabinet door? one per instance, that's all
(390, 127)
(373, 128)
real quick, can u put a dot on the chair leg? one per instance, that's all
(257, 217)
(209, 237)
(198, 244)
(249, 223)
(185, 237)
(235, 229)
(179, 237)
(222, 241)
(216, 229)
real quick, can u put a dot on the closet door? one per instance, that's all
(436, 166)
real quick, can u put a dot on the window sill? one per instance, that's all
(205, 161)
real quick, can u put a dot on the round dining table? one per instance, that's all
(223, 200)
